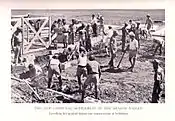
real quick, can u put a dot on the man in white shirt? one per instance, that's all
(133, 48)
(108, 34)
(54, 68)
(82, 62)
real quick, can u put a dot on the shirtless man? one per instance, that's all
(149, 24)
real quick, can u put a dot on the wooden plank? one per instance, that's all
(36, 18)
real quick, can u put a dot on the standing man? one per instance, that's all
(137, 33)
(94, 25)
(133, 48)
(113, 48)
(94, 74)
(16, 44)
(72, 28)
(88, 37)
(149, 24)
(54, 68)
(65, 33)
(101, 24)
(158, 82)
(82, 62)
(124, 34)
(108, 34)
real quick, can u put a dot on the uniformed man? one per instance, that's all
(94, 74)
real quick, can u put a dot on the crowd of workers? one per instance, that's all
(87, 65)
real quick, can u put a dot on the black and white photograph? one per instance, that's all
(87, 55)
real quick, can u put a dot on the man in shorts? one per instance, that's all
(54, 68)
(133, 48)
(82, 62)
(149, 24)
(94, 74)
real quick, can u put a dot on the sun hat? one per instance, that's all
(132, 34)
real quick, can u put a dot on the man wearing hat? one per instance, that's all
(16, 44)
(54, 68)
(133, 48)
(94, 74)
(149, 24)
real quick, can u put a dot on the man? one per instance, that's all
(72, 28)
(108, 34)
(133, 48)
(149, 24)
(101, 24)
(159, 41)
(65, 33)
(113, 48)
(137, 33)
(131, 25)
(94, 25)
(94, 74)
(158, 81)
(124, 34)
(33, 70)
(16, 44)
(82, 62)
(88, 30)
(54, 68)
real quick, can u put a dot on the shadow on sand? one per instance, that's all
(115, 70)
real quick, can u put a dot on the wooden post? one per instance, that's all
(22, 47)
(50, 22)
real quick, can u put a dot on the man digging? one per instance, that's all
(94, 74)
(133, 48)
(54, 68)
